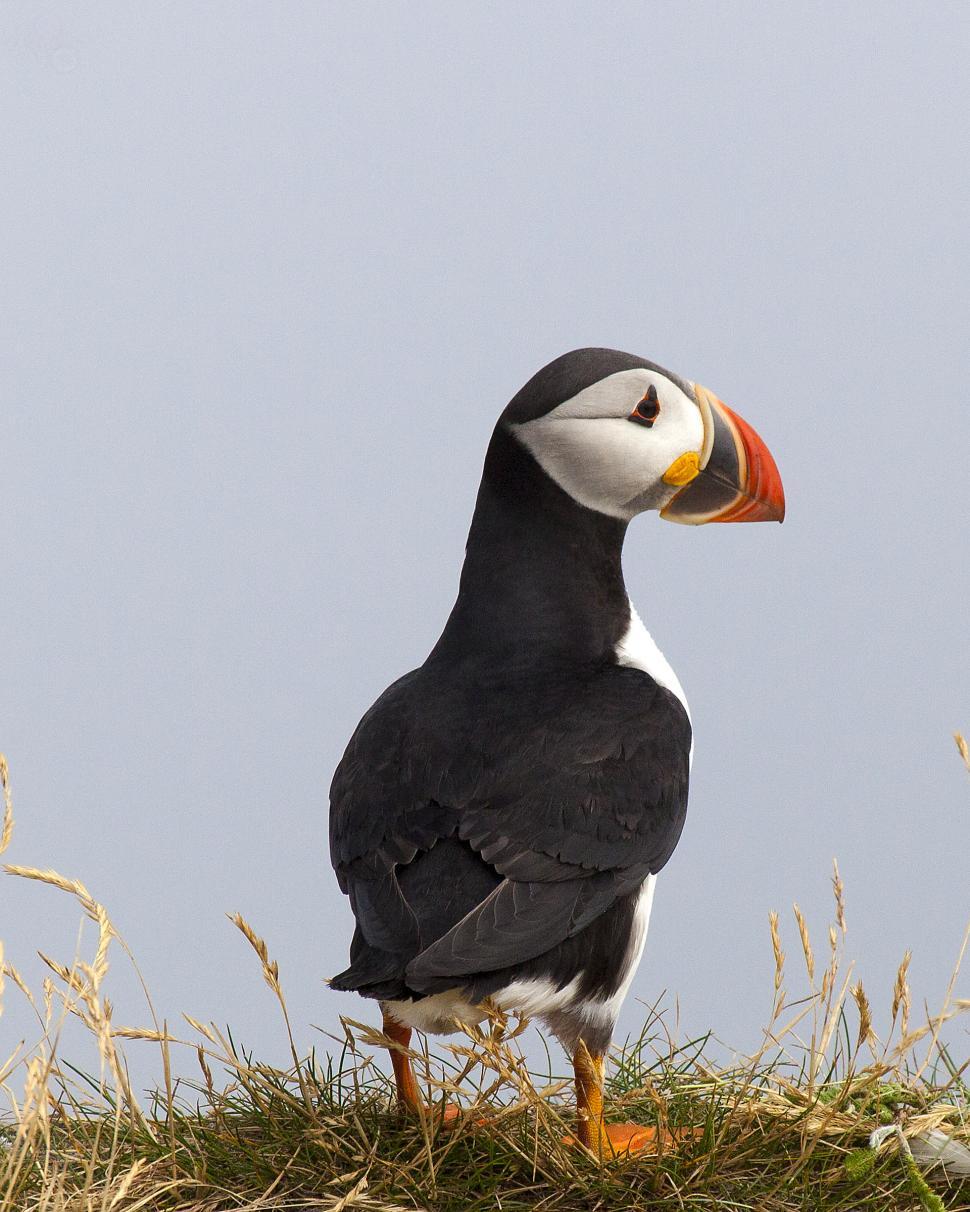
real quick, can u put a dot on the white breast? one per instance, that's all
(638, 650)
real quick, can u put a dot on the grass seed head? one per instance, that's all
(838, 890)
(806, 943)
(901, 994)
(962, 745)
(6, 828)
(865, 1013)
(271, 971)
(776, 948)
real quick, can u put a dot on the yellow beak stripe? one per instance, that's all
(681, 471)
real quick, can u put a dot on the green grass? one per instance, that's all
(320, 1133)
(786, 1129)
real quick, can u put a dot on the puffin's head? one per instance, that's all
(622, 435)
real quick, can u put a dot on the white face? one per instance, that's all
(607, 462)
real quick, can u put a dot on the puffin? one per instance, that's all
(501, 813)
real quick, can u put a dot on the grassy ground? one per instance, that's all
(789, 1128)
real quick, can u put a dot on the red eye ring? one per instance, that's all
(647, 409)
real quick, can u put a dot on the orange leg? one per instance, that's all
(605, 1140)
(408, 1093)
(408, 1096)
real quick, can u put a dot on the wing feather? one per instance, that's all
(573, 807)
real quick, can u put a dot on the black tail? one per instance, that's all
(440, 886)
(372, 973)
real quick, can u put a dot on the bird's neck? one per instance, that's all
(542, 582)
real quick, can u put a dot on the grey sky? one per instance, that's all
(270, 274)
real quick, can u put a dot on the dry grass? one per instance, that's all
(823, 1116)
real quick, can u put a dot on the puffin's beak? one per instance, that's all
(736, 480)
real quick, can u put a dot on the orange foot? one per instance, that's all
(615, 1140)
(627, 1138)
(622, 1140)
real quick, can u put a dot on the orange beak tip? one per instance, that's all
(763, 490)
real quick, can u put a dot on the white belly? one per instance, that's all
(440, 1014)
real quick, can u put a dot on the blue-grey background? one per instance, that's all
(270, 272)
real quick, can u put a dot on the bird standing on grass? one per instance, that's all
(501, 813)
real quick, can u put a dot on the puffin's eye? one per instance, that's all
(648, 409)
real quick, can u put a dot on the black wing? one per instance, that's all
(569, 808)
